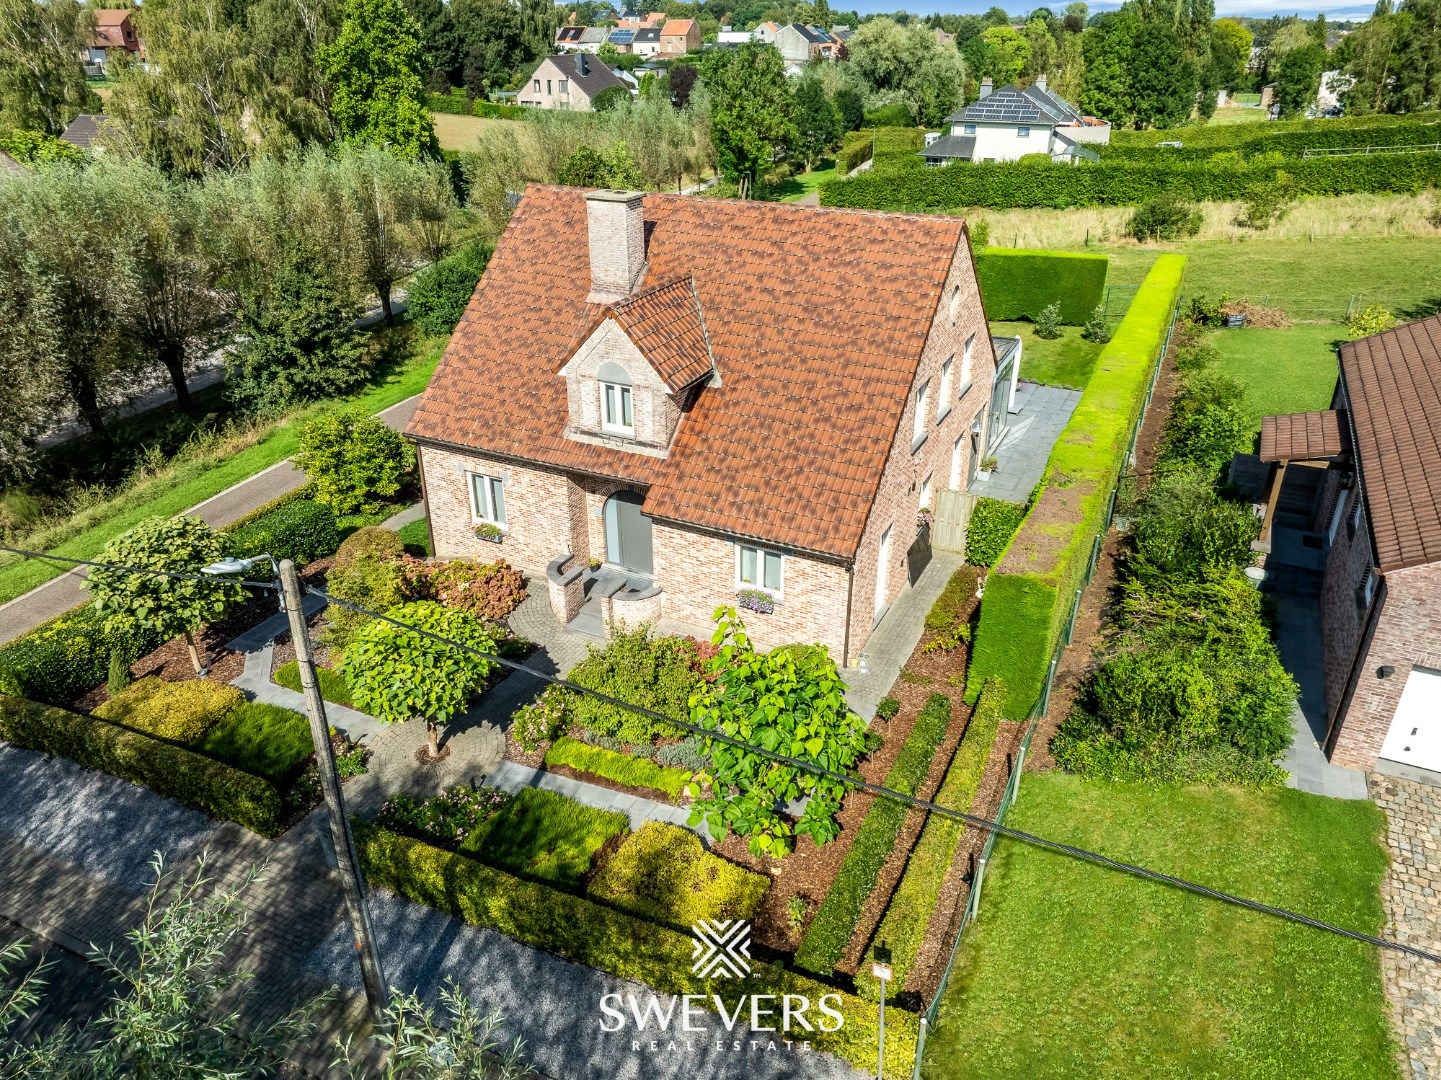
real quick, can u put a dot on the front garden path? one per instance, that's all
(1411, 893)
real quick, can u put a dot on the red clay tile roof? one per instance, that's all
(1393, 387)
(1305, 436)
(816, 343)
(676, 27)
(667, 326)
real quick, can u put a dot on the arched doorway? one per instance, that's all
(627, 532)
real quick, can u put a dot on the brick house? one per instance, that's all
(567, 81)
(679, 36)
(114, 31)
(671, 390)
(1380, 516)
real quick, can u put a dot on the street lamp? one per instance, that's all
(231, 565)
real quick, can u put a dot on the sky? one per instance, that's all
(1337, 9)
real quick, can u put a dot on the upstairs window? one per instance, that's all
(943, 399)
(757, 568)
(966, 362)
(564, 84)
(969, 129)
(616, 407)
(918, 430)
(537, 86)
(955, 309)
(1023, 132)
(487, 499)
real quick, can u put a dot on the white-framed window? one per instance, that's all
(537, 86)
(564, 86)
(969, 129)
(1337, 516)
(923, 397)
(1023, 132)
(956, 456)
(617, 412)
(757, 568)
(487, 499)
(926, 492)
(966, 363)
(943, 399)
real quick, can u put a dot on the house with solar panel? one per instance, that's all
(1009, 124)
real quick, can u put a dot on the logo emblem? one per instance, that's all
(722, 948)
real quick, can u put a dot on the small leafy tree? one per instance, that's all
(354, 461)
(789, 701)
(1372, 319)
(1096, 328)
(1268, 202)
(1048, 322)
(138, 603)
(1164, 217)
(398, 675)
(818, 121)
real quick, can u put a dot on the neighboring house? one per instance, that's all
(1379, 515)
(646, 41)
(587, 39)
(1009, 124)
(766, 32)
(643, 382)
(114, 30)
(621, 40)
(569, 81)
(679, 36)
(1330, 89)
(729, 39)
(652, 21)
(800, 44)
(84, 131)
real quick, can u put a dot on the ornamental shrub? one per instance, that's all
(373, 582)
(1183, 528)
(169, 770)
(853, 154)
(887, 707)
(178, 712)
(440, 293)
(1373, 319)
(1268, 202)
(1048, 322)
(993, 523)
(489, 591)
(664, 874)
(354, 461)
(60, 660)
(628, 769)
(301, 530)
(1097, 329)
(369, 542)
(1164, 217)
(644, 668)
(1207, 427)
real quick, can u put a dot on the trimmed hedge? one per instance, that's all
(199, 782)
(835, 923)
(1331, 131)
(622, 768)
(1119, 182)
(333, 686)
(1019, 284)
(908, 916)
(59, 660)
(600, 937)
(180, 711)
(853, 154)
(993, 523)
(301, 530)
(458, 103)
(1290, 143)
(1028, 596)
(664, 874)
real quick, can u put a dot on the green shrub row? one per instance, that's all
(458, 103)
(1118, 182)
(831, 930)
(1029, 595)
(1019, 284)
(301, 530)
(173, 771)
(60, 660)
(908, 916)
(620, 944)
(664, 874)
(1250, 141)
(898, 146)
(897, 114)
(621, 768)
(179, 711)
(993, 523)
(1332, 131)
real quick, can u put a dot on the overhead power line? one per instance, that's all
(856, 783)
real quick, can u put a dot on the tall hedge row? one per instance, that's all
(589, 933)
(1291, 142)
(1028, 595)
(1117, 182)
(199, 782)
(1018, 284)
(1225, 136)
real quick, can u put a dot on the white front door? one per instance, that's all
(1415, 735)
(883, 572)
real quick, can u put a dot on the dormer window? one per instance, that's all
(616, 405)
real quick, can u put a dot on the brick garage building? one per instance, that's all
(662, 402)
(1381, 594)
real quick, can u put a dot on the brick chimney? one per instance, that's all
(615, 225)
(986, 87)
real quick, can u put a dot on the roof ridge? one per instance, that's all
(650, 290)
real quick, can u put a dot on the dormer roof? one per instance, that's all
(666, 324)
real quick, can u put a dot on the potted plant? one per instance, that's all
(924, 518)
(988, 465)
(757, 600)
(490, 533)
(595, 562)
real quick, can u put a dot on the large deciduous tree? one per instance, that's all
(1298, 78)
(752, 115)
(375, 69)
(28, 354)
(1230, 52)
(161, 605)
(398, 675)
(818, 124)
(42, 82)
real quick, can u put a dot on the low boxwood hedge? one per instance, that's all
(1018, 284)
(830, 931)
(300, 530)
(181, 711)
(1028, 595)
(623, 945)
(622, 768)
(908, 915)
(66, 657)
(199, 782)
(993, 523)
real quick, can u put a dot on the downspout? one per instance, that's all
(846, 641)
(1333, 728)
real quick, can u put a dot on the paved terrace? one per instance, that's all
(1041, 414)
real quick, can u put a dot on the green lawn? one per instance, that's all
(1283, 370)
(1064, 361)
(1077, 971)
(802, 184)
(172, 497)
(333, 686)
(262, 739)
(544, 835)
(1233, 115)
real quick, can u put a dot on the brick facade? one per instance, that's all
(656, 411)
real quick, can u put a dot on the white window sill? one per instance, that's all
(918, 443)
(941, 417)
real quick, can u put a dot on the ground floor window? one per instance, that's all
(487, 499)
(757, 568)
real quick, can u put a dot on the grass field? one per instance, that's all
(1232, 114)
(802, 184)
(1063, 361)
(457, 132)
(172, 495)
(1077, 971)
(1283, 370)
